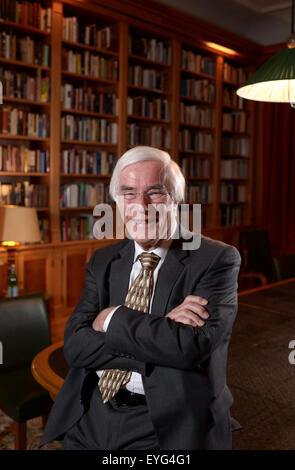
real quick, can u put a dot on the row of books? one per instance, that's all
(234, 74)
(198, 63)
(152, 49)
(83, 162)
(230, 98)
(88, 99)
(192, 114)
(91, 65)
(24, 49)
(195, 167)
(147, 78)
(24, 85)
(235, 121)
(199, 193)
(27, 13)
(202, 89)
(44, 226)
(91, 35)
(15, 121)
(23, 194)
(148, 107)
(233, 192)
(88, 129)
(83, 194)
(234, 168)
(231, 215)
(195, 141)
(77, 228)
(21, 158)
(154, 136)
(235, 146)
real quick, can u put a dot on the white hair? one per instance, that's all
(173, 178)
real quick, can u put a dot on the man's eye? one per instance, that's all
(156, 194)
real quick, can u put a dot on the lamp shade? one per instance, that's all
(19, 224)
(274, 81)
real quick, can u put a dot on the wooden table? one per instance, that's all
(50, 368)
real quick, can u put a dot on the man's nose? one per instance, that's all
(142, 199)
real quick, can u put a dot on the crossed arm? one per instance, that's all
(183, 338)
(189, 312)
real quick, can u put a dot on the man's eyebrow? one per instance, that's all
(124, 188)
(154, 186)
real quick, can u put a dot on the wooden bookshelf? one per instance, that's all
(144, 92)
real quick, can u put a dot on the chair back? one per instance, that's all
(24, 330)
(255, 250)
(284, 267)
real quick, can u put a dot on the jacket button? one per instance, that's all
(81, 401)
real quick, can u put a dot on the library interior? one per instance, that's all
(81, 83)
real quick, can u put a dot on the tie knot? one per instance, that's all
(149, 260)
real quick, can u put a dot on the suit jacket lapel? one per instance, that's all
(120, 273)
(169, 273)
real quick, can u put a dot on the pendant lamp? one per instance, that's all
(274, 81)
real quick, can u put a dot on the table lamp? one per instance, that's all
(18, 225)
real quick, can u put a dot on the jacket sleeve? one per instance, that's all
(85, 347)
(162, 341)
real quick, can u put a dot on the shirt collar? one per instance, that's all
(161, 250)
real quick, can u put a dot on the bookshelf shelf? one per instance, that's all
(90, 113)
(24, 137)
(153, 63)
(148, 90)
(21, 64)
(23, 173)
(21, 101)
(89, 78)
(86, 176)
(197, 100)
(75, 209)
(86, 47)
(89, 144)
(197, 153)
(148, 120)
(197, 74)
(197, 126)
(5, 24)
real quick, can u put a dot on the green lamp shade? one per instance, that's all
(274, 81)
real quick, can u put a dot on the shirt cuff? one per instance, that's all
(108, 318)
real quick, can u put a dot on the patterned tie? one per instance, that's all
(138, 298)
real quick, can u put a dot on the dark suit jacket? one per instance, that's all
(183, 368)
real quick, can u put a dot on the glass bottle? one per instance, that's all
(12, 283)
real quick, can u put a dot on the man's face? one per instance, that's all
(141, 192)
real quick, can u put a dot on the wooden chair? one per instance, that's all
(24, 331)
(257, 267)
(284, 267)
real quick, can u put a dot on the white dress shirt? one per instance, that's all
(135, 384)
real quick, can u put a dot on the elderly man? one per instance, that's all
(147, 343)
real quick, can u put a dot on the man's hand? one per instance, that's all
(99, 320)
(190, 311)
